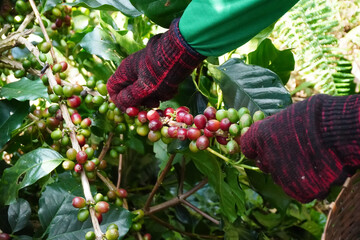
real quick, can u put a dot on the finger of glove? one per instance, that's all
(248, 142)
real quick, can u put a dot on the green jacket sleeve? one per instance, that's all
(215, 27)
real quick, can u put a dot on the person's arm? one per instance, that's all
(215, 27)
(308, 147)
(211, 27)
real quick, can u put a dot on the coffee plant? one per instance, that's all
(73, 166)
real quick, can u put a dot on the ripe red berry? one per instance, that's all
(4, 236)
(180, 116)
(89, 166)
(210, 113)
(142, 116)
(202, 142)
(76, 118)
(213, 125)
(78, 202)
(147, 236)
(64, 66)
(78, 168)
(81, 139)
(225, 124)
(122, 193)
(102, 207)
(132, 111)
(200, 121)
(81, 157)
(152, 115)
(99, 217)
(169, 111)
(183, 108)
(208, 133)
(155, 125)
(188, 119)
(74, 101)
(181, 135)
(222, 140)
(193, 133)
(85, 123)
(172, 131)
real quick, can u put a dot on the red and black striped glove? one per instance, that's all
(153, 73)
(309, 146)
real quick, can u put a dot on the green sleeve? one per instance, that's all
(215, 27)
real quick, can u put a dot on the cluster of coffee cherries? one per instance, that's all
(225, 126)
(101, 207)
(60, 16)
(14, 14)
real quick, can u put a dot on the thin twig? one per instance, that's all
(106, 146)
(26, 22)
(210, 218)
(5, 28)
(43, 29)
(12, 64)
(193, 235)
(175, 200)
(159, 181)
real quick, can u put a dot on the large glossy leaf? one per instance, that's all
(161, 12)
(100, 43)
(268, 56)
(231, 197)
(251, 86)
(123, 6)
(24, 89)
(19, 214)
(12, 113)
(28, 169)
(59, 217)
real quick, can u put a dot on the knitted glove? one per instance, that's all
(309, 146)
(153, 73)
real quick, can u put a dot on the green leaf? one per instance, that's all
(59, 217)
(251, 86)
(100, 43)
(108, 5)
(28, 169)
(24, 89)
(208, 165)
(162, 12)
(49, 4)
(12, 113)
(268, 56)
(19, 214)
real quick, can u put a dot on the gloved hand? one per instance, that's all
(309, 146)
(153, 73)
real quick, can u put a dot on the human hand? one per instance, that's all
(309, 146)
(153, 73)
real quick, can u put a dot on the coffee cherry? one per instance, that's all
(98, 197)
(68, 90)
(139, 214)
(68, 165)
(64, 66)
(154, 136)
(54, 98)
(112, 226)
(188, 119)
(221, 114)
(74, 101)
(200, 121)
(104, 108)
(155, 125)
(136, 226)
(102, 165)
(258, 115)
(233, 147)
(202, 142)
(81, 157)
(89, 166)
(71, 154)
(102, 207)
(243, 111)
(79, 202)
(213, 125)
(58, 90)
(132, 111)
(4, 236)
(58, 22)
(112, 234)
(193, 147)
(193, 133)
(142, 117)
(99, 217)
(245, 120)
(172, 131)
(111, 194)
(183, 108)
(225, 124)
(76, 118)
(78, 168)
(234, 129)
(85, 123)
(168, 112)
(45, 47)
(152, 115)
(90, 152)
(83, 215)
(233, 115)
(244, 130)
(222, 140)
(101, 88)
(65, 140)
(143, 130)
(56, 135)
(180, 116)
(122, 193)
(181, 134)
(119, 202)
(90, 235)
(147, 236)
(56, 68)
(210, 113)
(52, 122)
